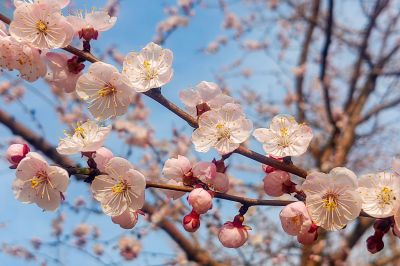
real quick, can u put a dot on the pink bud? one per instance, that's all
(274, 183)
(220, 183)
(88, 34)
(204, 171)
(295, 218)
(16, 152)
(191, 222)
(101, 157)
(233, 234)
(307, 237)
(127, 220)
(200, 199)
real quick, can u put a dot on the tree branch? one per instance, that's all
(324, 65)
(378, 8)
(299, 83)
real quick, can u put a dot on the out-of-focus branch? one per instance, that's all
(379, 108)
(324, 66)
(378, 8)
(35, 140)
(193, 252)
(299, 83)
(395, 255)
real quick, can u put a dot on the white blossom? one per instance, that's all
(332, 199)
(38, 182)
(122, 187)
(379, 193)
(150, 68)
(284, 137)
(87, 137)
(106, 90)
(224, 129)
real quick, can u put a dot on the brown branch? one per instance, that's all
(193, 252)
(378, 8)
(299, 83)
(324, 65)
(379, 108)
(35, 140)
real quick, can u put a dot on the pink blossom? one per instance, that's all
(220, 183)
(15, 153)
(127, 220)
(207, 93)
(46, 28)
(64, 71)
(233, 234)
(177, 169)
(191, 222)
(200, 199)
(102, 157)
(22, 57)
(88, 26)
(204, 171)
(98, 249)
(107, 91)
(38, 182)
(129, 248)
(274, 183)
(82, 230)
(295, 218)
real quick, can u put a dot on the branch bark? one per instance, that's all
(299, 83)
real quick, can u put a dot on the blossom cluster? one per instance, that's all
(326, 200)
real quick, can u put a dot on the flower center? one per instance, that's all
(330, 201)
(107, 90)
(386, 196)
(283, 139)
(284, 131)
(223, 131)
(119, 187)
(149, 72)
(39, 178)
(80, 131)
(41, 26)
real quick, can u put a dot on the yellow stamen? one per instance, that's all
(284, 131)
(35, 182)
(149, 72)
(119, 187)
(107, 90)
(41, 26)
(330, 201)
(386, 196)
(223, 131)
